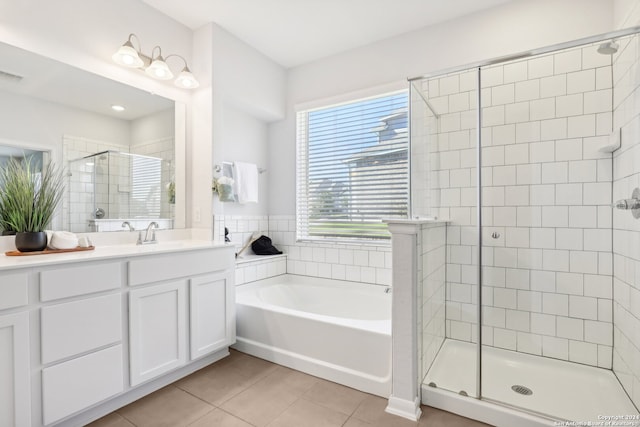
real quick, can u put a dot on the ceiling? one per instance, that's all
(294, 32)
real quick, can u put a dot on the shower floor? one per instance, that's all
(562, 390)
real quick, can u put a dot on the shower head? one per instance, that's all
(608, 48)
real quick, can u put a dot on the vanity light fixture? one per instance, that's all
(155, 65)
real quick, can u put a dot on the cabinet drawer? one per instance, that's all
(83, 280)
(13, 290)
(75, 327)
(79, 383)
(158, 268)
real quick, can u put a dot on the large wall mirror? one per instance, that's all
(122, 148)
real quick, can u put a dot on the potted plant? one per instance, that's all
(29, 200)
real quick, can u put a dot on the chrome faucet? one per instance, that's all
(128, 224)
(153, 226)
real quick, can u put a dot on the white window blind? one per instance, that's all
(146, 178)
(352, 168)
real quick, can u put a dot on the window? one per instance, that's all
(352, 168)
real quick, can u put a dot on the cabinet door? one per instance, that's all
(15, 394)
(157, 330)
(211, 305)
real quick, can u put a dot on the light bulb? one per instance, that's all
(186, 80)
(159, 69)
(128, 56)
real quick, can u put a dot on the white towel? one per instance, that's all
(246, 182)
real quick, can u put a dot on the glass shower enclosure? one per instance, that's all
(110, 187)
(524, 157)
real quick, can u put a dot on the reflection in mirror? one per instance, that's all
(120, 162)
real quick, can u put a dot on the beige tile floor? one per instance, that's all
(244, 391)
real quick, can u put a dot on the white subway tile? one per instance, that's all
(555, 216)
(543, 281)
(518, 320)
(504, 175)
(555, 260)
(493, 156)
(517, 113)
(530, 301)
(581, 81)
(582, 126)
(516, 154)
(555, 173)
(332, 256)
(568, 61)
(360, 258)
(540, 67)
(603, 78)
(583, 262)
(592, 59)
(598, 332)
(503, 135)
(542, 194)
(557, 348)
(530, 258)
(468, 81)
(543, 324)
(503, 94)
(529, 216)
(543, 238)
(505, 257)
(503, 217)
(458, 102)
(493, 316)
(449, 85)
(597, 240)
(528, 132)
(582, 352)
(528, 174)
(555, 129)
(605, 310)
(605, 170)
(597, 102)
(459, 140)
(582, 217)
(529, 343)
(542, 152)
(460, 331)
(515, 72)
(569, 105)
(527, 90)
(555, 304)
(569, 328)
(569, 283)
(505, 298)
(517, 195)
(494, 116)
(492, 76)
(517, 278)
(517, 237)
(583, 307)
(569, 149)
(504, 338)
(346, 256)
(553, 86)
(368, 274)
(493, 196)
(568, 194)
(541, 109)
(569, 238)
(597, 193)
(376, 259)
(599, 286)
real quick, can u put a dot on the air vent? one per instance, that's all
(8, 77)
(520, 389)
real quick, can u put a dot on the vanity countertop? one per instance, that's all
(106, 252)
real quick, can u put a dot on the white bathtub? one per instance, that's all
(337, 330)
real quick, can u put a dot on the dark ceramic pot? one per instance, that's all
(8, 233)
(31, 241)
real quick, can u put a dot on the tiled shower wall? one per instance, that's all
(626, 229)
(352, 262)
(546, 195)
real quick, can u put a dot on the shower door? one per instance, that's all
(547, 319)
(443, 184)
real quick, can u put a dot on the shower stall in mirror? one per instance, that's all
(537, 310)
(111, 187)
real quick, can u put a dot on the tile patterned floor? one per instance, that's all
(243, 391)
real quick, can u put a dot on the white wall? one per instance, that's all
(154, 126)
(511, 28)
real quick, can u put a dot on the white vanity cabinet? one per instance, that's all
(15, 369)
(82, 335)
(157, 330)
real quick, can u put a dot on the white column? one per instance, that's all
(405, 398)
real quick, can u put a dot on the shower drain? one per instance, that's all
(520, 389)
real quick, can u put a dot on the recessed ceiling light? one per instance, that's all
(117, 108)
